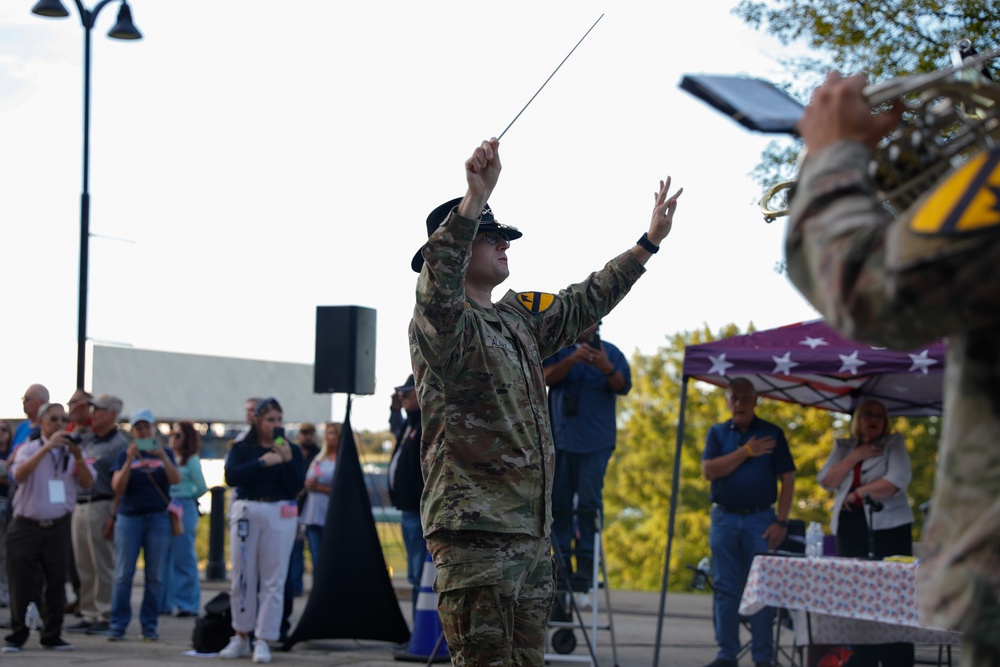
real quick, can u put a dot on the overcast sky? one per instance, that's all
(252, 160)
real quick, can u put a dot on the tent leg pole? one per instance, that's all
(674, 488)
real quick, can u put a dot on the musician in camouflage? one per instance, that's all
(934, 271)
(487, 453)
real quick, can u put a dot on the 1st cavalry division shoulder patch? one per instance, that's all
(535, 302)
(966, 203)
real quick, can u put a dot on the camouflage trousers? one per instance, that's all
(495, 592)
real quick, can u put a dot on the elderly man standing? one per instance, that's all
(46, 469)
(745, 459)
(34, 397)
(94, 514)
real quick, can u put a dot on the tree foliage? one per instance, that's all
(882, 38)
(638, 485)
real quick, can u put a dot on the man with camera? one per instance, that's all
(94, 514)
(47, 469)
(585, 381)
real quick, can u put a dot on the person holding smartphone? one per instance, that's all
(266, 473)
(585, 381)
(142, 478)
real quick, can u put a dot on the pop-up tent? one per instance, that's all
(810, 364)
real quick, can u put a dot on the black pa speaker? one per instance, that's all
(345, 350)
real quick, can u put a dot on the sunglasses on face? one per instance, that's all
(493, 237)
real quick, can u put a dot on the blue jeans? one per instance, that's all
(314, 535)
(297, 566)
(582, 475)
(151, 533)
(735, 539)
(416, 550)
(181, 581)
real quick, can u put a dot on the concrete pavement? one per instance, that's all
(687, 638)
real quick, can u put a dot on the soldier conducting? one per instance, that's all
(487, 453)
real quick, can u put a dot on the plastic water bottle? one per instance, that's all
(31, 618)
(814, 540)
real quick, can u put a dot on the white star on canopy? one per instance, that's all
(813, 343)
(921, 362)
(850, 363)
(784, 364)
(719, 364)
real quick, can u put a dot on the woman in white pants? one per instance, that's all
(266, 473)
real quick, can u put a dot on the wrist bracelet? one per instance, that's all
(646, 244)
(749, 450)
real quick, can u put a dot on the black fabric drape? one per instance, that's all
(352, 595)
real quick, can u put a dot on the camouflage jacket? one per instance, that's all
(932, 272)
(487, 453)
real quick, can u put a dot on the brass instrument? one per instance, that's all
(956, 114)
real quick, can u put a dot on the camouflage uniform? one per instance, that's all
(933, 272)
(487, 452)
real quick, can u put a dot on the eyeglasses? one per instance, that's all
(493, 237)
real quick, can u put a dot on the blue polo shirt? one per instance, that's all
(754, 484)
(594, 425)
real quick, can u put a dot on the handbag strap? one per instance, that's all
(155, 485)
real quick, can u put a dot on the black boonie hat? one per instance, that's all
(441, 213)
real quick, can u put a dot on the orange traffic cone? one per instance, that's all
(427, 637)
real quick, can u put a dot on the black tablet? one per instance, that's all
(753, 103)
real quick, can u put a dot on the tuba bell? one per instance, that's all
(950, 115)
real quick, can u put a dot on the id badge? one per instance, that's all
(57, 492)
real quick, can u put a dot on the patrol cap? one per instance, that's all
(441, 213)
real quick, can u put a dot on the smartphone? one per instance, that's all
(753, 103)
(279, 433)
(146, 444)
(594, 341)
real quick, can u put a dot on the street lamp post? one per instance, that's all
(123, 29)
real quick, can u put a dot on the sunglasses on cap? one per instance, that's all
(269, 403)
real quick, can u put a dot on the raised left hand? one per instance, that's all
(663, 212)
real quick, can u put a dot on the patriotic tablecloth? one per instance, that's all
(847, 600)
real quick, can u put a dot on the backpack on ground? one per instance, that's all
(213, 629)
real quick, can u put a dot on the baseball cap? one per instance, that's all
(406, 386)
(108, 402)
(142, 415)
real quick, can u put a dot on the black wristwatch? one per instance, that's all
(783, 524)
(646, 244)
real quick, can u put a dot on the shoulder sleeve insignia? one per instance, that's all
(968, 201)
(535, 302)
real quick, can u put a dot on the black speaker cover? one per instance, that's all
(345, 350)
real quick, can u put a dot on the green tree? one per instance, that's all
(882, 38)
(638, 484)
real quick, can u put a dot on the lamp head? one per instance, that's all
(123, 27)
(53, 8)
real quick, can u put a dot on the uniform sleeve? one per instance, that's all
(870, 276)
(437, 324)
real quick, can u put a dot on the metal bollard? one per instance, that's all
(215, 570)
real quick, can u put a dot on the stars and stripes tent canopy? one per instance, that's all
(809, 363)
